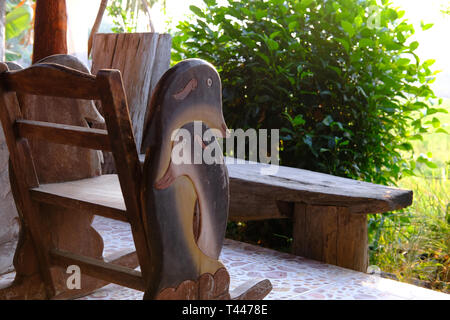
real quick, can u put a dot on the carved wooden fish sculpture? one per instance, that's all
(190, 91)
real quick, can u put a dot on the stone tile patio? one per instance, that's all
(292, 277)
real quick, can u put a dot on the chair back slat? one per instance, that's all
(50, 79)
(83, 137)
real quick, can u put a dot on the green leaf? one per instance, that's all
(272, 44)
(344, 43)
(17, 21)
(431, 165)
(260, 14)
(403, 61)
(298, 120)
(358, 21)
(435, 122)
(348, 27)
(416, 137)
(264, 57)
(274, 34)
(406, 146)
(11, 55)
(426, 26)
(414, 45)
(197, 11)
(292, 25)
(365, 42)
(305, 3)
(428, 63)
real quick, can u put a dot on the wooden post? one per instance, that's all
(331, 235)
(142, 58)
(50, 29)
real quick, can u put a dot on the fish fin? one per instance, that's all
(166, 179)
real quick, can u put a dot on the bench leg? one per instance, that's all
(331, 235)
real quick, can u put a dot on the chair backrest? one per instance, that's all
(55, 80)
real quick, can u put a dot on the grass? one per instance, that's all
(413, 244)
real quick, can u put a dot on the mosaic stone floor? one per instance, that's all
(292, 277)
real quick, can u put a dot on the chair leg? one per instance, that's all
(28, 283)
(31, 268)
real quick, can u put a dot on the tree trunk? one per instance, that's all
(50, 29)
(142, 59)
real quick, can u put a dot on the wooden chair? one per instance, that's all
(101, 195)
(44, 232)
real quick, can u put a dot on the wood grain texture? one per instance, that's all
(50, 79)
(50, 29)
(332, 235)
(118, 122)
(255, 289)
(206, 287)
(315, 233)
(82, 137)
(298, 185)
(99, 269)
(352, 240)
(142, 58)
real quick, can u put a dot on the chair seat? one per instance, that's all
(100, 194)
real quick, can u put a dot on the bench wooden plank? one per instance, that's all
(253, 193)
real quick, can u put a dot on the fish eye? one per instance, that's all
(209, 82)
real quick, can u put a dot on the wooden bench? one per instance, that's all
(329, 213)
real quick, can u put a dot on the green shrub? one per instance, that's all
(18, 25)
(339, 78)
